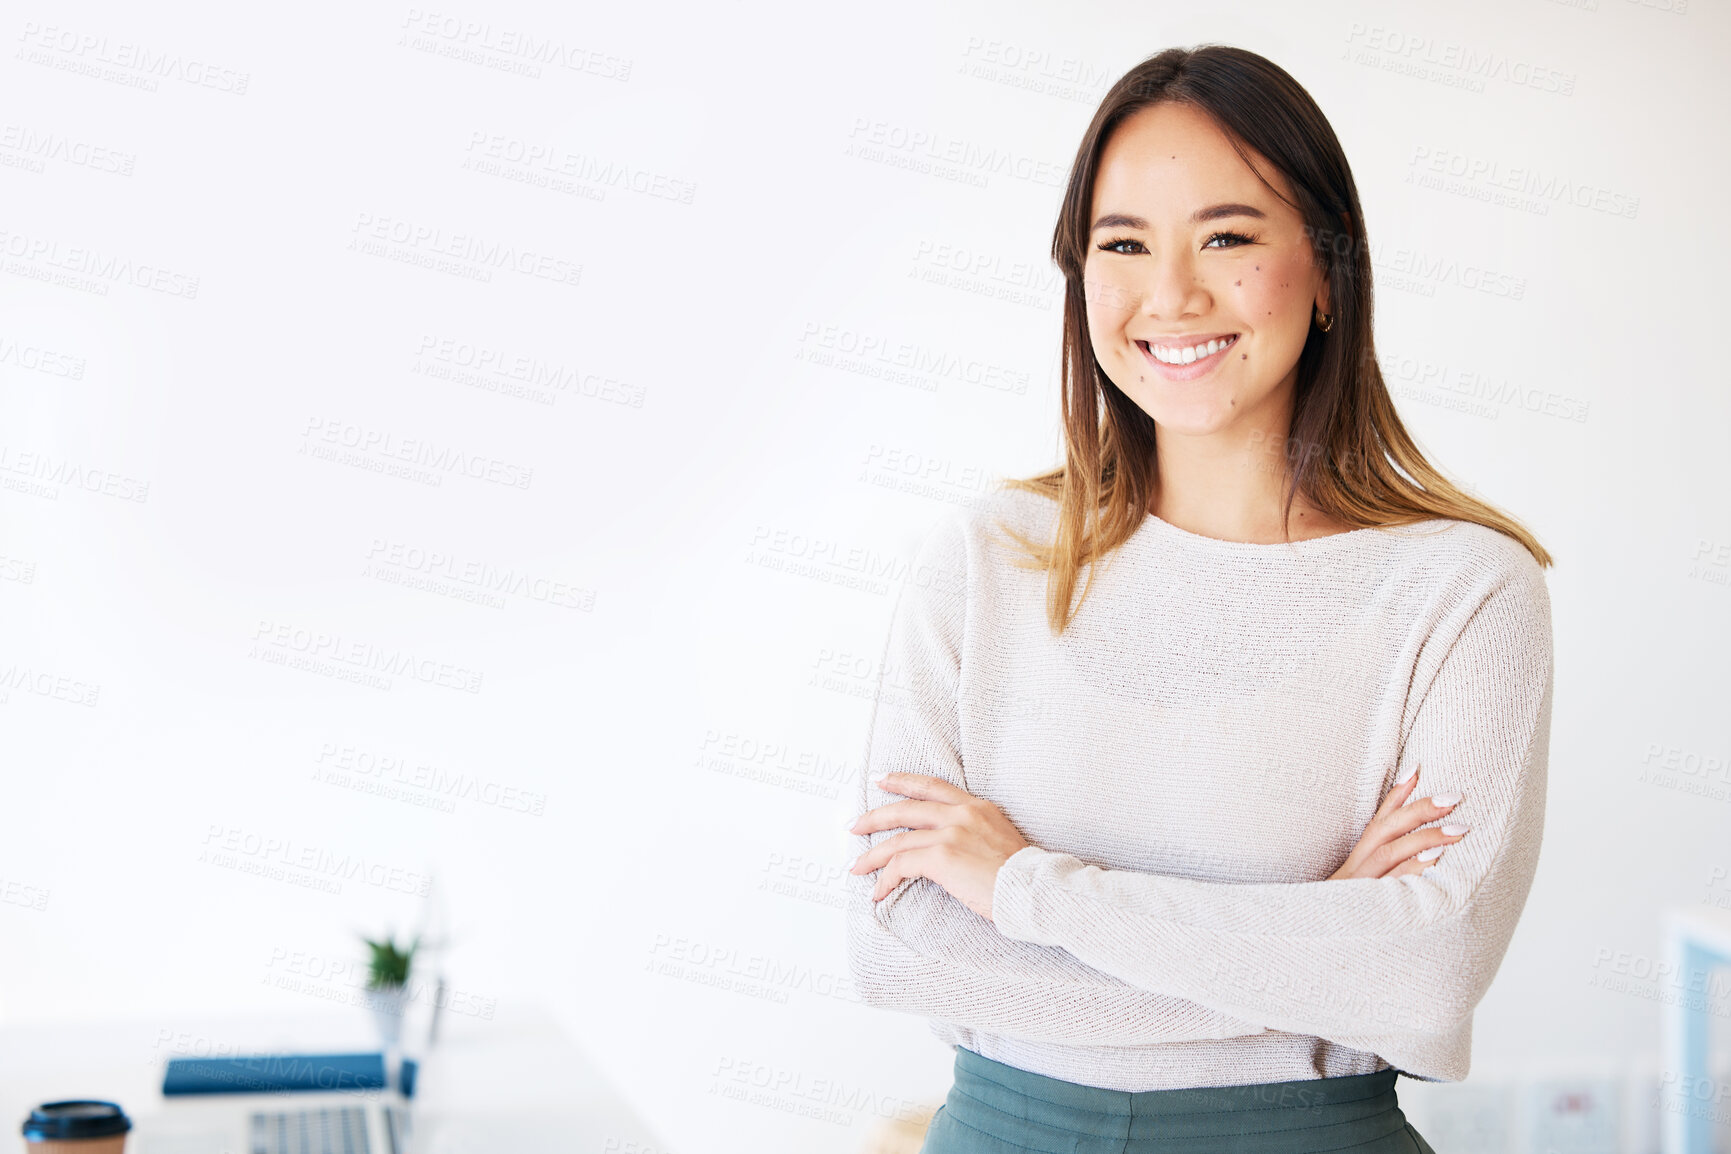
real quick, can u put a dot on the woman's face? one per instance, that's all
(1188, 247)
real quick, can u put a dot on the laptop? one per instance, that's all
(278, 1104)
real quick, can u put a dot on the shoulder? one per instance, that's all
(968, 533)
(964, 552)
(1485, 558)
(1486, 575)
(1005, 513)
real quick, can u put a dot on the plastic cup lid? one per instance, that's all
(75, 1119)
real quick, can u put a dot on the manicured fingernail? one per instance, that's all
(879, 778)
(853, 864)
(1406, 774)
(849, 826)
(1446, 799)
(1455, 830)
(1430, 854)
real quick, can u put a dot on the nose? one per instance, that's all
(1171, 288)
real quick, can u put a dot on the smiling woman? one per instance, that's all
(1153, 859)
(1250, 256)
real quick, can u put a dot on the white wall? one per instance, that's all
(691, 509)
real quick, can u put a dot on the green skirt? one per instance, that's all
(999, 1109)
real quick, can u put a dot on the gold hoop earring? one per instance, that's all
(1324, 321)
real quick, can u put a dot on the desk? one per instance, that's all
(516, 1083)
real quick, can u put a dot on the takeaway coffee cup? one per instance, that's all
(76, 1127)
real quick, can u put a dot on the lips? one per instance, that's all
(1185, 358)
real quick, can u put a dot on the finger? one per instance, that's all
(922, 785)
(1384, 825)
(1403, 848)
(875, 856)
(913, 814)
(1410, 866)
(889, 847)
(889, 877)
(902, 866)
(1398, 795)
(1414, 814)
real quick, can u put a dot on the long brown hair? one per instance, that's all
(1347, 451)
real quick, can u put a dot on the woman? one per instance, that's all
(1154, 860)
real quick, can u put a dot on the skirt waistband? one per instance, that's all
(1044, 1113)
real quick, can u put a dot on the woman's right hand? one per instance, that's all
(1393, 845)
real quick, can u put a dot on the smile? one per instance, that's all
(1172, 354)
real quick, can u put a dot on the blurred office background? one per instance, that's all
(456, 465)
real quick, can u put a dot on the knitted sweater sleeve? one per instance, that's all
(1394, 966)
(920, 950)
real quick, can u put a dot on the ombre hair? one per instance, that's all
(1357, 463)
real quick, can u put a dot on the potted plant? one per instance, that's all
(388, 984)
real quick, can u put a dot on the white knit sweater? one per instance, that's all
(1190, 760)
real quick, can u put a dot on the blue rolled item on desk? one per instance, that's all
(271, 1073)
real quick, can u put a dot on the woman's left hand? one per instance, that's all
(954, 838)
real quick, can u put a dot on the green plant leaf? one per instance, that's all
(389, 965)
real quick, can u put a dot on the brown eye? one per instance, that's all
(1237, 238)
(1112, 245)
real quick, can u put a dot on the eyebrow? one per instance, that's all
(1212, 212)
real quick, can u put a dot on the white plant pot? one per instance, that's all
(388, 1005)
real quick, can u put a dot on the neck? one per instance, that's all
(1228, 483)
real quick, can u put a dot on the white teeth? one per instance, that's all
(1187, 356)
